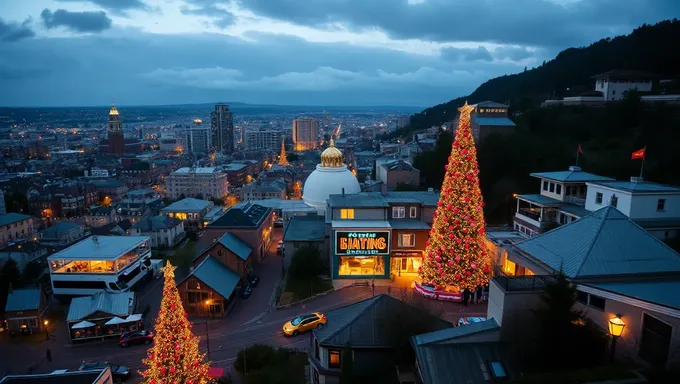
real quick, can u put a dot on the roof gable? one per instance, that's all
(233, 243)
(27, 299)
(603, 243)
(217, 276)
(115, 304)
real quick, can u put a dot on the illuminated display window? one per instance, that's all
(361, 266)
(347, 213)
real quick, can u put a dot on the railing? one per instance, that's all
(530, 214)
(533, 283)
(575, 200)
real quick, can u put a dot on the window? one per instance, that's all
(598, 198)
(582, 297)
(558, 189)
(347, 213)
(545, 185)
(364, 265)
(407, 240)
(398, 212)
(596, 302)
(333, 358)
(661, 205)
(412, 212)
(552, 187)
(614, 201)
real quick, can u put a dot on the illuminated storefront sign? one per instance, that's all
(362, 243)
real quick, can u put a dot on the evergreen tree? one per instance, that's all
(456, 252)
(174, 358)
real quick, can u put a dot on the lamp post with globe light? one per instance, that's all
(616, 326)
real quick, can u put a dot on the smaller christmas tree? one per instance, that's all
(174, 358)
(283, 159)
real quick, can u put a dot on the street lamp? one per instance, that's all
(616, 326)
(207, 330)
(47, 332)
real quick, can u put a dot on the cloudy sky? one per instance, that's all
(300, 52)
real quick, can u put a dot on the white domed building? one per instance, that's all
(331, 177)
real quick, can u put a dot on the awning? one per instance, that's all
(83, 324)
(135, 317)
(115, 320)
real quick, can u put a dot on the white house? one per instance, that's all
(164, 231)
(614, 84)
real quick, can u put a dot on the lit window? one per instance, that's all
(333, 358)
(407, 240)
(347, 213)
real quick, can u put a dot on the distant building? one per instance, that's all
(198, 139)
(116, 143)
(209, 183)
(15, 226)
(237, 174)
(3, 207)
(171, 144)
(305, 134)
(398, 172)
(24, 311)
(61, 199)
(140, 174)
(251, 223)
(62, 234)
(222, 129)
(262, 139)
(95, 376)
(24, 253)
(614, 84)
(137, 209)
(190, 211)
(98, 216)
(164, 231)
(114, 190)
(272, 189)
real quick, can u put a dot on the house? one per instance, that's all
(119, 228)
(467, 354)
(250, 222)
(24, 252)
(620, 271)
(231, 251)
(25, 310)
(305, 231)
(98, 215)
(372, 345)
(110, 190)
(616, 83)
(262, 190)
(191, 211)
(137, 209)
(208, 289)
(97, 376)
(62, 234)
(236, 173)
(164, 231)
(14, 226)
(98, 309)
(398, 172)
(488, 117)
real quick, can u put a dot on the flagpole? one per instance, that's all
(578, 150)
(642, 165)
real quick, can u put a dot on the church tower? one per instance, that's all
(283, 159)
(115, 133)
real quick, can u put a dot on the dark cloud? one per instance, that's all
(512, 53)
(222, 17)
(466, 54)
(115, 6)
(525, 22)
(95, 69)
(76, 21)
(10, 31)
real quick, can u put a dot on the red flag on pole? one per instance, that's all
(639, 154)
(580, 150)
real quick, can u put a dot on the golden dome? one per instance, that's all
(198, 121)
(113, 111)
(331, 157)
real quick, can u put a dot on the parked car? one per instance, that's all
(253, 279)
(304, 323)
(135, 337)
(119, 372)
(280, 248)
(470, 320)
(245, 291)
(278, 223)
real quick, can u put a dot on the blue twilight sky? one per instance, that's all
(304, 52)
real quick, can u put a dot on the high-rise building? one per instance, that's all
(222, 127)
(305, 134)
(198, 138)
(262, 139)
(115, 133)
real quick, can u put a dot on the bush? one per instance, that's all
(306, 263)
(192, 236)
(256, 357)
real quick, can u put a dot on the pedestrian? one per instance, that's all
(478, 293)
(466, 296)
(48, 355)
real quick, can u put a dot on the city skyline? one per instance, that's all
(411, 53)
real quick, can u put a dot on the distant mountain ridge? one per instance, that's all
(649, 48)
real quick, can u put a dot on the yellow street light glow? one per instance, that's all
(616, 326)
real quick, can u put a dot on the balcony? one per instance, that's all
(527, 283)
(577, 200)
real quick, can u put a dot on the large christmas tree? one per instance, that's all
(174, 358)
(456, 253)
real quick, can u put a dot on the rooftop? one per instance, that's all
(493, 121)
(215, 275)
(573, 175)
(491, 104)
(639, 187)
(27, 299)
(205, 170)
(305, 228)
(604, 243)
(100, 248)
(74, 377)
(233, 243)
(358, 200)
(360, 224)
(233, 167)
(114, 304)
(10, 218)
(242, 215)
(188, 205)
(539, 199)
(661, 292)
(61, 227)
(624, 74)
(408, 224)
(155, 223)
(448, 334)
(399, 165)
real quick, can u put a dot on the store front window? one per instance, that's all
(361, 265)
(405, 265)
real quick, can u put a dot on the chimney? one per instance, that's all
(343, 191)
(636, 179)
(383, 189)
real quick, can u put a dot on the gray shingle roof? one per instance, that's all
(188, 205)
(27, 299)
(217, 276)
(359, 200)
(362, 324)
(605, 242)
(10, 218)
(408, 224)
(662, 292)
(428, 199)
(305, 228)
(115, 304)
(571, 176)
(233, 243)
(244, 215)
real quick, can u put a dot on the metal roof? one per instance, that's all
(360, 224)
(27, 299)
(105, 248)
(10, 218)
(408, 224)
(490, 104)
(188, 205)
(242, 215)
(217, 276)
(233, 243)
(114, 304)
(662, 292)
(155, 223)
(672, 222)
(360, 323)
(494, 121)
(358, 200)
(603, 243)
(539, 199)
(573, 209)
(572, 176)
(305, 228)
(426, 198)
(639, 187)
(447, 334)
(58, 377)
(466, 362)
(62, 227)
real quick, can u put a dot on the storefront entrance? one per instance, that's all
(405, 263)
